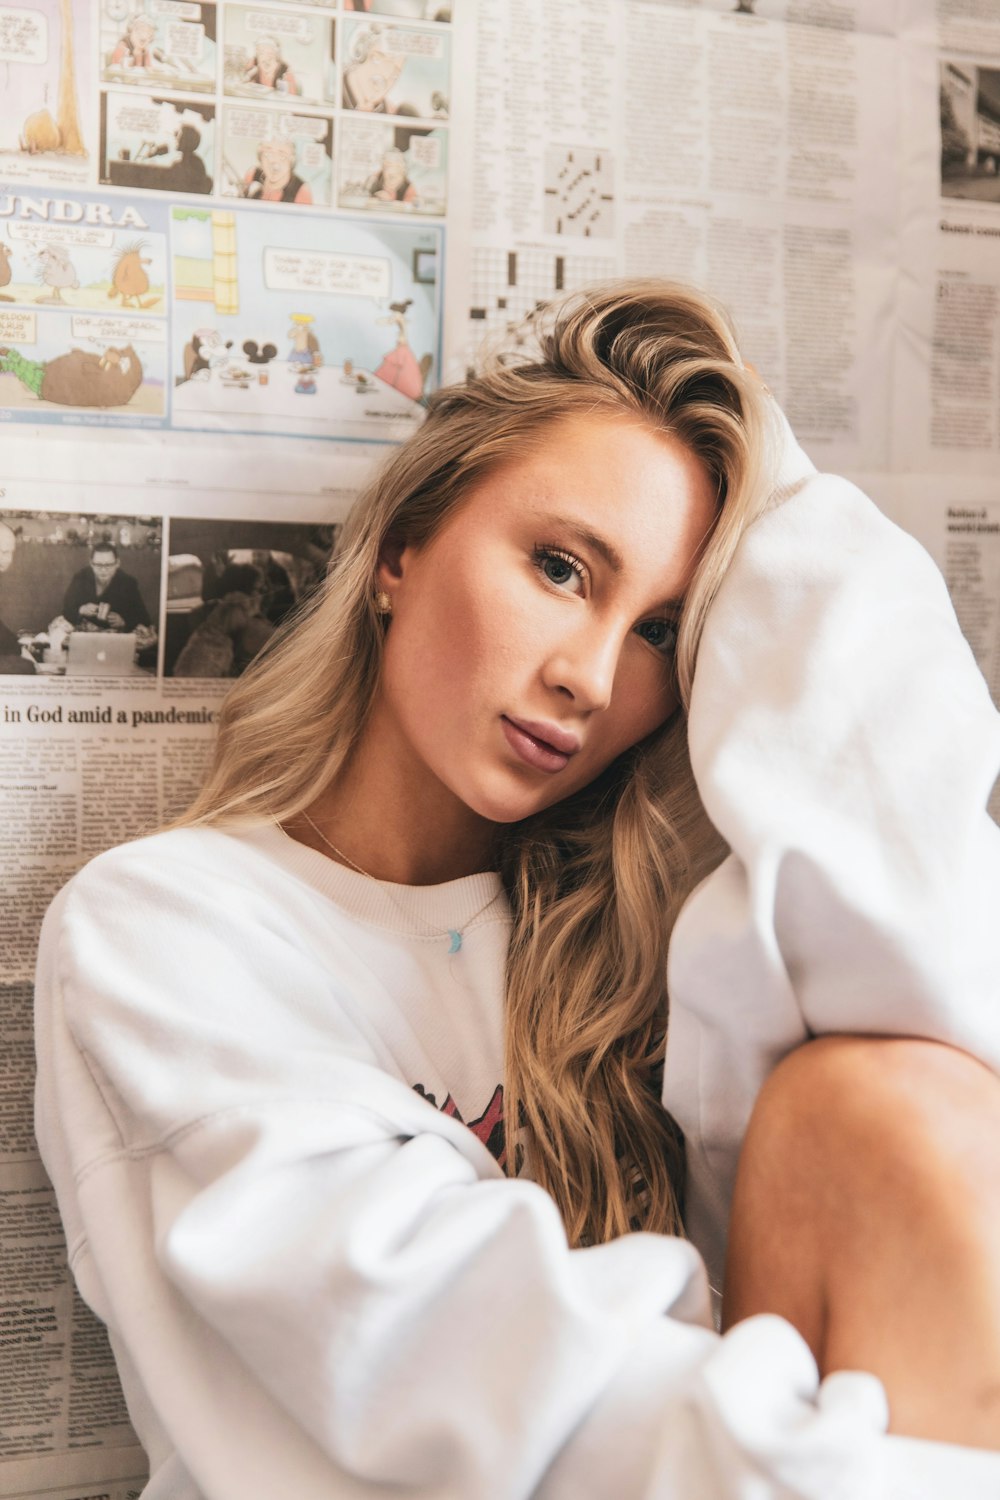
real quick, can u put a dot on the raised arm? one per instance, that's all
(844, 745)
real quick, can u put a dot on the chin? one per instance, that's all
(503, 805)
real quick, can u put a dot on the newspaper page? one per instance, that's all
(751, 148)
(946, 431)
(222, 234)
(240, 245)
(948, 379)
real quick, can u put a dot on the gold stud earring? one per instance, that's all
(383, 604)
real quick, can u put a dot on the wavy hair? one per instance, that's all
(596, 881)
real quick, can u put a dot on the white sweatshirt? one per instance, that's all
(255, 1065)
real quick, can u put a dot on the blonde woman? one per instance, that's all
(352, 1084)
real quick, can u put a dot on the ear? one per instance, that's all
(391, 562)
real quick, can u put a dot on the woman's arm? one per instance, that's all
(844, 744)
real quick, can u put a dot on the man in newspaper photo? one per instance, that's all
(102, 596)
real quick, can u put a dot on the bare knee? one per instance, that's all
(856, 1141)
(867, 1211)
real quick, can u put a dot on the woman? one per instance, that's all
(427, 891)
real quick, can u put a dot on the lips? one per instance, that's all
(545, 747)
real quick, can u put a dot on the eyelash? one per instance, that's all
(545, 552)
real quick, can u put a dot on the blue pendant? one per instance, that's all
(456, 939)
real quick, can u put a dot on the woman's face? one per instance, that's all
(531, 639)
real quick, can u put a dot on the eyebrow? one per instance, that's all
(591, 539)
(602, 546)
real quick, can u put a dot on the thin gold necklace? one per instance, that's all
(454, 934)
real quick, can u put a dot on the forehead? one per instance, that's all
(643, 491)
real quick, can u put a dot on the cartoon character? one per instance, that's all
(128, 280)
(372, 71)
(205, 352)
(135, 46)
(305, 357)
(6, 272)
(79, 378)
(269, 68)
(260, 356)
(40, 133)
(400, 368)
(273, 180)
(56, 271)
(188, 174)
(391, 184)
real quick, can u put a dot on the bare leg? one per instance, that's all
(867, 1212)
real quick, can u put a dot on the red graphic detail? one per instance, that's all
(489, 1127)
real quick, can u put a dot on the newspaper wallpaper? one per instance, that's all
(240, 244)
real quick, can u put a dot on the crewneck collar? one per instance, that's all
(409, 910)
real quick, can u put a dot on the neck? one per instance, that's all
(390, 818)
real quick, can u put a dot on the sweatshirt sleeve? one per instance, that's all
(845, 745)
(316, 1284)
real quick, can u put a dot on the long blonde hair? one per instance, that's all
(596, 881)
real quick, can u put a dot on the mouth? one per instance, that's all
(528, 740)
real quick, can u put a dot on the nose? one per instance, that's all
(583, 666)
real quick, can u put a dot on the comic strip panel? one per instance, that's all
(303, 326)
(392, 168)
(45, 49)
(167, 44)
(79, 595)
(278, 54)
(83, 315)
(396, 70)
(275, 156)
(230, 584)
(91, 255)
(406, 10)
(151, 143)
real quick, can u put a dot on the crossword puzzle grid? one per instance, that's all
(578, 192)
(507, 285)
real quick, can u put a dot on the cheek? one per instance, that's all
(646, 697)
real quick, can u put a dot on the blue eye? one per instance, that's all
(661, 634)
(561, 569)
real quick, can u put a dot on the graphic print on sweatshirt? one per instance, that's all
(488, 1127)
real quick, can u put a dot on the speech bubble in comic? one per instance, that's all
(185, 10)
(118, 330)
(415, 43)
(17, 327)
(326, 271)
(302, 125)
(134, 118)
(271, 23)
(24, 36)
(88, 236)
(185, 41)
(312, 157)
(254, 124)
(425, 150)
